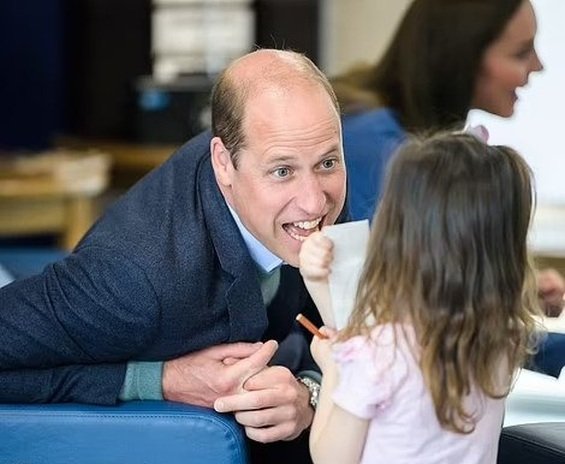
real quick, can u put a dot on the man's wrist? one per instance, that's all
(313, 388)
(142, 381)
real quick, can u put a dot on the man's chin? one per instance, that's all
(290, 257)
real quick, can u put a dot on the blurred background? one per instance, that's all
(95, 93)
(135, 69)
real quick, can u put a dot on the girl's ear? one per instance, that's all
(221, 162)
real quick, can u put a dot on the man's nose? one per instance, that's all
(311, 197)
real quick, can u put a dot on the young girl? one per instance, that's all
(443, 314)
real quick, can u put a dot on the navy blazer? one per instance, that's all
(164, 272)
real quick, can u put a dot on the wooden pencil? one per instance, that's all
(309, 326)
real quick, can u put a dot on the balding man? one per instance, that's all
(196, 266)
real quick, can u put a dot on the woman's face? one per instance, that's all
(507, 64)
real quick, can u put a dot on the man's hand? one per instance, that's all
(273, 406)
(200, 378)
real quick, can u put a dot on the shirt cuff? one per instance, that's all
(143, 381)
(315, 376)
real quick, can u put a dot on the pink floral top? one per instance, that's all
(382, 382)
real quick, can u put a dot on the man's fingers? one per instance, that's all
(234, 350)
(239, 402)
(249, 366)
(251, 402)
(268, 378)
(283, 431)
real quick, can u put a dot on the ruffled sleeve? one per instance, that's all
(369, 373)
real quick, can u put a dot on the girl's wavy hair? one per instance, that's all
(448, 255)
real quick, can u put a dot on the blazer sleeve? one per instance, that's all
(93, 307)
(94, 384)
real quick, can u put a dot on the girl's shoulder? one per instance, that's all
(384, 340)
(374, 366)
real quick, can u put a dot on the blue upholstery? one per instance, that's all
(148, 432)
(26, 261)
(140, 432)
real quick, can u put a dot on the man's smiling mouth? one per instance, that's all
(300, 230)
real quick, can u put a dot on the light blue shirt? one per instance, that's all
(5, 276)
(262, 256)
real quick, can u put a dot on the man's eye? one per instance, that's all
(282, 172)
(328, 164)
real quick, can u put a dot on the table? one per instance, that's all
(52, 192)
(130, 160)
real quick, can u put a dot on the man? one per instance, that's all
(187, 265)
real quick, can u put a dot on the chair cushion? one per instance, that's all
(147, 432)
(23, 262)
(540, 443)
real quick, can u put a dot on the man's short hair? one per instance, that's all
(229, 96)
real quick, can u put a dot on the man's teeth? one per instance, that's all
(300, 238)
(307, 225)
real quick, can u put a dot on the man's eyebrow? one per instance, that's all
(331, 151)
(281, 159)
(291, 158)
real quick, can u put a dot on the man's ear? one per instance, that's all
(221, 162)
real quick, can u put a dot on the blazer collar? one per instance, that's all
(248, 316)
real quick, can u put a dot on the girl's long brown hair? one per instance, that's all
(448, 255)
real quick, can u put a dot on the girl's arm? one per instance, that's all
(336, 435)
(315, 258)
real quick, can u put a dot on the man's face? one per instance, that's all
(290, 178)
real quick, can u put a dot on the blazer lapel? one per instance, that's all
(247, 313)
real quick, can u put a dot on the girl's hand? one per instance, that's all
(322, 350)
(551, 289)
(316, 255)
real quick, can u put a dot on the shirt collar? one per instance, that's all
(263, 257)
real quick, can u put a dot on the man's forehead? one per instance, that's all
(292, 151)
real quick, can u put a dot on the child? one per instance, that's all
(443, 314)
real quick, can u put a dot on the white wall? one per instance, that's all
(356, 30)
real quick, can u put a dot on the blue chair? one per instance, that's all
(148, 432)
(21, 261)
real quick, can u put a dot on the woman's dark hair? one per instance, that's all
(428, 73)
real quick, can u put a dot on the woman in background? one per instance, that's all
(446, 58)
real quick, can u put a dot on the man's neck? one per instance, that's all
(266, 260)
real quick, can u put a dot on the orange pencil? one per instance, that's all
(309, 326)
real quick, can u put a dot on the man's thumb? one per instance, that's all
(258, 360)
